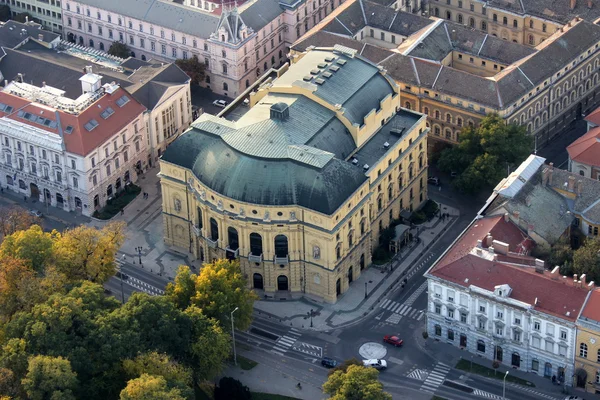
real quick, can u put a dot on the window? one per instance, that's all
(75, 183)
(73, 164)
(450, 313)
(536, 342)
(517, 320)
(58, 176)
(536, 326)
(504, 21)
(543, 27)
(500, 314)
(451, 296)
(481, 346)
(463, 317)
(481, 308)
(450, 334)
(438, 330)
(535, 365)
(57, 158)
(438, 309)
(550, 329)
(563, 334)
(517, 335)
(583, 350)
(562, 350)
(549, 346)
(108, 169)
(481, 324)
(515, 24)
(499, 330)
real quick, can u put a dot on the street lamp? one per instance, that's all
(311, 315)
(504, 386)
(121, 273)
(139, 251)
(233, 337)
(366, 293)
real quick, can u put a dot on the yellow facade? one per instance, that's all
(587, 357)
(324, 253)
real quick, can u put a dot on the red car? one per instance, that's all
(395, 340)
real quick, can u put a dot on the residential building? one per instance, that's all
(593, 119)
(528, 22)
(163, 88)
(457, 75)
(489, 296)
(584, 154)
(16, 34)
(70, 152)
(46, 12)
(587, 355)
(299, 186)
(237, 45)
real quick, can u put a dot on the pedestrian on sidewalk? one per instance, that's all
(25, 199)
(122, 211)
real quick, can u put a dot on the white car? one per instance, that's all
(220, 103)
(375, 363)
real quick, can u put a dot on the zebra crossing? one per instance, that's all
(535, 392)
(487, 395)
(418, 374)
(413, 297)
(399, 311)
(285, 342)
(435, 378)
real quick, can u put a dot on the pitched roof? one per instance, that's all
(554, 10)
(325, 39)
(13, 33)
(461, 266)
(591, 311)
(586, 149)
(81, 140)
(594, 117)
(586, 202)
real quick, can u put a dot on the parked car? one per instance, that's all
(574, 398)
(119, 275)
(246, 102)
(394, 340)
(434, 180)
(36, 213)
(375, 363)
(220, 103)
(329, 362)
(453, 174)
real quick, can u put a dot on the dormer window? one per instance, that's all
(502, 290)
(222, 38)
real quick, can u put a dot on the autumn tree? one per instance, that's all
(483, 154)
(220, 288)
(149, 387)
(8, 384)
(33, 246)
(586, 260)
(357, 383)
(193, 68)
(156, 364)
(19, 286)
(13, 219)
(119, 49)
(49, 378)
(89, 253)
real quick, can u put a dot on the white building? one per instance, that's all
(488, 296)
(46, 12)
(237, 44)
(72, 153)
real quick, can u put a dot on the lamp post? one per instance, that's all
(139, 251)
(366, 293)
(311, 315)
(121, 273)
(504, 386)
(233, 337)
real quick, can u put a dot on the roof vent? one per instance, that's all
(355, 161)
(314, 72)
(326, 74)
(386, 145)
(341, 62)
(322, 65)
(319, 81)
(334, 68)
(329, 59)
(307, 78)
(366, 167)
(280, 111)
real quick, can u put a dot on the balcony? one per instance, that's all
(232, 254)
(197, 230)
(282, 260)
(212, 243)
(255, 258)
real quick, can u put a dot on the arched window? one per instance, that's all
(281, 246)
(504, 21)
(214, 230)
(225, 86)
(265, 66)
(272, 60)
(583, 350)
(448, 15)
(483, 26)
(437, 114)
(407, 105)
(448, 118)
(224, 69)
(436, 130)
(91, 43)
(101, 46)
(481, 346)
(448, 134)
(460, 18)
(256, 248)
(426, 110)
(459, 121)
(472, 22)
(531, 40)
(436, 12)
(247, 83)
(280, 54)
(232, 238)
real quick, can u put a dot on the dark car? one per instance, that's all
(395, 340)
(329, 362)
(120, 275)
(434, 181)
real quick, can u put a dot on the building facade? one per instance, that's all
(584, 154)
(46, 13)
(587, 356)
(50, 154)
(299, 188)
(457, 75)
(486, 295)
(237, 45)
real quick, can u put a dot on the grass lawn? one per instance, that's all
(245, 363)
(269, 396)
(479, 369)
(115, 205)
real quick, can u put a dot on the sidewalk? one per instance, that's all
(352, 306)
(451, 355)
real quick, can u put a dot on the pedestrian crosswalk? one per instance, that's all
(285, 342)
(413, 297)
(418, 374)
(435, 378)
(487, 395)
(399, 311)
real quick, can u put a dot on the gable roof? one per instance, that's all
(586, 149)
(13, 33)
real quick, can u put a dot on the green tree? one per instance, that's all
(49, 378)
(23, 17)
(8, 383)
(19, 286)
(586, 260)
(219, 289)
(193, 68)
(89, 253)
(356, 383)
(119, 49)
(344, 366)
(34, 246)
(4, 13)
(483, 154)
(148, 387)
(153, 363)
(231, 389)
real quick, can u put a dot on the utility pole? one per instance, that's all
(233, 337)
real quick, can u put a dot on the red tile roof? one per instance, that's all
(592, 307)
(586, 149)
(594, 117)
(80, 141)
(555, 296)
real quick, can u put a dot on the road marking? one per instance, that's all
(276, 352)
(481, 393)
(418, 374)
(385, 303)
(435, 378)
(420, 316)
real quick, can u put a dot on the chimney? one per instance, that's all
(453, 35)
(479, 243)
(26, 19)
(20, 77)
(491, 249)
(495, 257)
(539, 265)
(571, 183)
(573, 4)
(545, 174)
(554, 273)
(579, 187)
(500, 247)
(43, 83)
(40, 37)
(591, 285)
(582, 279)
(488, 240)
(516, 215)
(574, 278)
(589, 4)
(506, 217)
(550, 172)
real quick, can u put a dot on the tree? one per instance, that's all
(49, 378)
(232, 389)
(586, 260)
(88, 253)
(356, 383)
(19, 286)
(4, 13)
(13, 219)
(23, 17)
(8, 383)
(344, 366)
(149, 387)
(483, 154)
(219, 289)
(33, 246)
(119, 49)
(193, 68)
